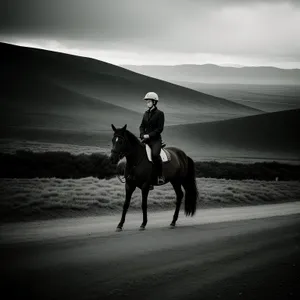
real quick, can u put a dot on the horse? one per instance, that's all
(179, 171)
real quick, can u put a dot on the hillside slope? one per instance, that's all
(267, 135)
(31, 73)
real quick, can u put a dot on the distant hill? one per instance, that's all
(50, 90)
(209, 73)
(270, 135)
(230, 65)
(59, 98)
(269, 98)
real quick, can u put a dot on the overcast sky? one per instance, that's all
(246, 32)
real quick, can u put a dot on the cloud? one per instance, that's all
(232, 27)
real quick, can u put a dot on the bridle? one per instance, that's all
(120, 154)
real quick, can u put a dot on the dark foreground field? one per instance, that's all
(246, 259)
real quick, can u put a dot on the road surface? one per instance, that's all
(232, 253)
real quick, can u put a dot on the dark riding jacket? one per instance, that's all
(152, 124)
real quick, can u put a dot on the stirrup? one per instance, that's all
(160, 180)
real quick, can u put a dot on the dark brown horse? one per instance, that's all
(179, 171)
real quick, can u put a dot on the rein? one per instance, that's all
(122, 155)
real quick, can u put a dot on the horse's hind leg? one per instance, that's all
(179, 195)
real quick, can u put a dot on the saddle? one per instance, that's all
(164, 154)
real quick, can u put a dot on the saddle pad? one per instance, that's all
(164, 154)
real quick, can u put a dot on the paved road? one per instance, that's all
(233, 253)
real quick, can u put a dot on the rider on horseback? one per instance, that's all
(150, 131)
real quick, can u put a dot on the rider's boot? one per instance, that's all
(158, 165)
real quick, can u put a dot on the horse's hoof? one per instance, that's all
(119, 229)
(172, 226)
(142, 228)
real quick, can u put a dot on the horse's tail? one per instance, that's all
(191, 190)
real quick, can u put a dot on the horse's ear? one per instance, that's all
(113, 127)
(124, 128)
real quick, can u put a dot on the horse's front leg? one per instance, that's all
(130, 188)
(145, 192)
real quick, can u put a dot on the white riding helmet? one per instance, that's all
(151, 96)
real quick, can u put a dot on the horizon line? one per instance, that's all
(222, 65)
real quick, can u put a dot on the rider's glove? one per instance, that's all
(146, 136)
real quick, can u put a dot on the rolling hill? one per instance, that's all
(209, 73)
(59, 98)
(49, 105)
(55, 90)
(269, 136)
(269, 98)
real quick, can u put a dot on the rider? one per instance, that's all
(150, 131)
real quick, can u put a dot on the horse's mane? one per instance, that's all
(132, 138)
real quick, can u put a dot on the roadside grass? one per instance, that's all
(29, 199)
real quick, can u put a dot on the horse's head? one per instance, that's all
(120, 144)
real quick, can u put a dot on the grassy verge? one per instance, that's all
(28, 199)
